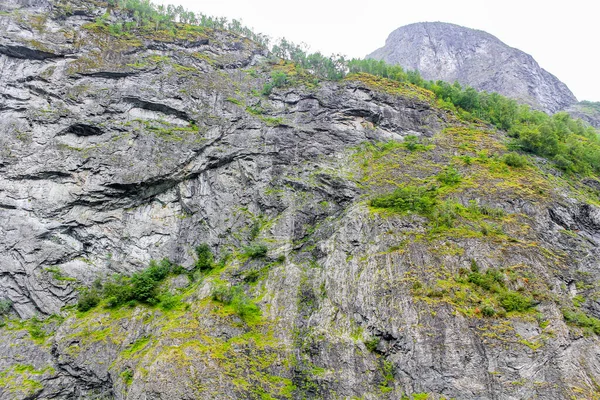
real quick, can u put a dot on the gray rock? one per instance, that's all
(116, 151)
(475, 58)
(587, 111)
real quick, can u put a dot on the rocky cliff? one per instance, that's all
(588, 111)
(118, 149)
(475, 58)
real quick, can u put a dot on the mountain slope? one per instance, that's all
(588, 111)
(476, 280)
(454, 53)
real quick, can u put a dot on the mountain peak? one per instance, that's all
(449, 52)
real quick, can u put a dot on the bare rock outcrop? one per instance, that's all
(475, 58)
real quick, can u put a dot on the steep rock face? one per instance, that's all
(116, 150)
(587, 111)
(454, 53)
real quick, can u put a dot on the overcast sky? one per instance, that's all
(563, 36)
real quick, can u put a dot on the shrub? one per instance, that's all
(514, 160)
(5, 306)
(581, 319)
(372, 344)
(278, 79)
(127, 376)
(449, 177)
(159, 271)
(514, 301)
(252, 276)
(418, 199)
(113, 302)
(179, 270)
(204, 257)
(243, 306)
(491, 279)
(564, 163)
(88, 299)
(119, 290)
(235, 297)
(411, 143)
(256, 251)
(222, 293)
(168, 301)
(444, 215)
(488, 311)
(35, 329)
(144, 287)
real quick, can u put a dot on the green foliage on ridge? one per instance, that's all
(573, 146)
(144, 15)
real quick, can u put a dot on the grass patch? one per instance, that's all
(581, 319)
(236, 298)
(481, 294)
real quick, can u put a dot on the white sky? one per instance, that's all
(563, 36)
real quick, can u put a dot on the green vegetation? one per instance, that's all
(572, 145)
(331, 68)
(384, 70)
(594, 105)
(278, 79)
(255, 251)
(58, 275)
(419, 199)
(36, 329)
(143, 16)
(442, 214)
(5, 306)
(371, 344)
(449, 177)
(88, 299)
(204, 258)
(514, 301)
(236, 298)
(411, 143)
(486, 294)
(387, 370)
(127, 376)
(514, 160)
(142, 287)
(579, 318)
(23, 378)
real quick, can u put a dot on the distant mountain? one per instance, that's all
(588, 111)
(472, 57)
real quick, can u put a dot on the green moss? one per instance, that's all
(532, 345)
(233, 100)
(420, 396)
(24, 379)
(403, 89)
(580, 319)
(477, 294)
(58, 275)
(127, 376)
(387, 370)
(136, 349)
(236, 299)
